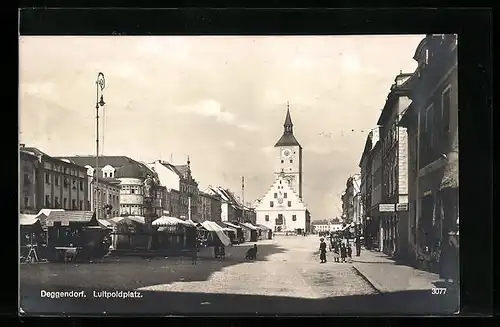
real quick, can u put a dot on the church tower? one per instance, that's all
(289, 156)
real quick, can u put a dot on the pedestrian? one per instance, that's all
(358, 246)
(322, 250)
(343, 253)
(336, 252)
(349, 252)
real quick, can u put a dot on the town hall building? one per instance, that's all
(281, 208)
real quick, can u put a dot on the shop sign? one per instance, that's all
(50, 223)
(402, 207)
(64, 222)
(386, 207)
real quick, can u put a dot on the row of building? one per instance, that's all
(117, 188)
(406, 195)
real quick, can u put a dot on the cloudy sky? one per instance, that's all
(221, 100)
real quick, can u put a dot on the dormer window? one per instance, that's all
(426, 57)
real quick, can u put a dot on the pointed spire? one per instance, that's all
(188, 162)
(288, 120)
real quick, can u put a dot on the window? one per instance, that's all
(282, 161)
(291, 161)
(285, 195)
(445, 110)
(280, 181)
(289, 203)
(47, 201)
(105, 174)
(267, 217)
(56, 200)
(290, 169)
(81, 185)
(271, 204)
(275, 195)
(26, 201)
(56, 180)
(282, 170)
(426, 56)
(81, 204)
(294, 217)
(47, 178)
(132, 190)
(26, 179)
(73, 204)
(66, 171)
(65, 202)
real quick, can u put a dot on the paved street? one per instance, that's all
(286, 279)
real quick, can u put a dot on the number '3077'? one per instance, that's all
(438, 291)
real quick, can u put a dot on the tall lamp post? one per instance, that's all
(100, 85)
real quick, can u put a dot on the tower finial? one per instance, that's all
(288, 120)
(188, 161)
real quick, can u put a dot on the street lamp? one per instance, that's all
(100, 85)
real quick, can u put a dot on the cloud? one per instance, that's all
(248, 127)
(230, 144)
(267, 149)
(318, 149)
(208, 108)
(38, 89)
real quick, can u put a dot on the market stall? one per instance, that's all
(240, 237)
(69, 232)
(266, 232)
(130, 233)
(32, 238)
(174, 233)
(250, 232)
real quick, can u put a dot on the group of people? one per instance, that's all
(342, 251)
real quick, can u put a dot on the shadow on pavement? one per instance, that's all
(132, 273)
(180, 303)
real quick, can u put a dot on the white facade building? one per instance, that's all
(281, 208)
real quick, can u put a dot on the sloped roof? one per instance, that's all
(249, 226)
(287, 140)
(28, 220)
(125, 166)
(72, 216)
(34, 151)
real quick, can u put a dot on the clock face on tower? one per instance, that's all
(286, 153)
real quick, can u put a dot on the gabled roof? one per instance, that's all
(125, 166)
(274, 187)
(71, 216)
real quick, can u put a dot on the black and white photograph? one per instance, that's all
(225, 175)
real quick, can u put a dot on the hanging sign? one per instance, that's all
(386, 207)
(402, 207)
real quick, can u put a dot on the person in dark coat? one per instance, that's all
(358, 246)
(349, 252)
(343, 252)
(322, 250)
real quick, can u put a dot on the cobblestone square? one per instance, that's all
(287, 278)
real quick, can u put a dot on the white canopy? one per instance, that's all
(137, 219)
(172, 221)
(219, 231)
(105, 223)
(27, 220)
(248, 225)
(231, 225)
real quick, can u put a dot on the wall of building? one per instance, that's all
(131, 196)
(293, 219)
(65, 185)
(27, 183)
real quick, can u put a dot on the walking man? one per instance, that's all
(322, 250)
(358, 246)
